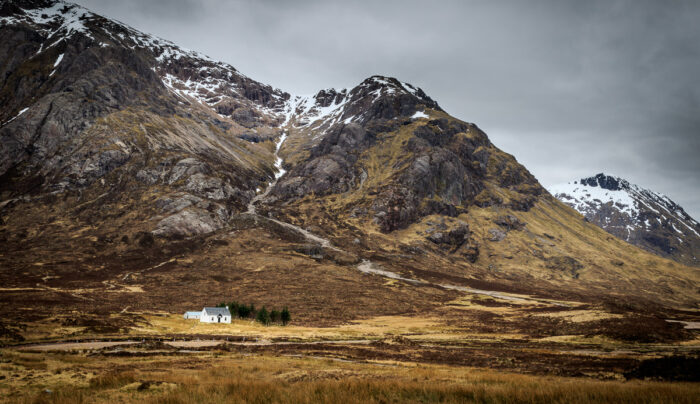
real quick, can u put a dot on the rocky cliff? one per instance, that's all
(92, 105)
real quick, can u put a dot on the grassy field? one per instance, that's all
(220, 377)
(383, 359)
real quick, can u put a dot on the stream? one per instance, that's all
(280, 172)
(366, 266)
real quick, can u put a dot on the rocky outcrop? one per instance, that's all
(568, 266)
(330, 168)
(496, 234)
(189, 222)
(509, 222)
(455, 238)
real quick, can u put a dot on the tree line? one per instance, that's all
(263, 316)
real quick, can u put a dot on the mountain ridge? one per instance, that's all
(129, 172)
(642, 217)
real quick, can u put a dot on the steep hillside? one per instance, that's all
(93, 107)
(136, 174)
(639, 216)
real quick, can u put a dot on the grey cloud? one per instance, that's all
(571, 88)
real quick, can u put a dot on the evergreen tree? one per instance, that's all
(243, 311)
(274, 316)
(285, 316)
(233, 308)
(263, 316)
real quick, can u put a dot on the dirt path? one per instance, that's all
(366, 266)
(127, 275)
(688, 325)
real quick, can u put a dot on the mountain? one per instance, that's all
(86, 99)
(639, 216)
(135, 173)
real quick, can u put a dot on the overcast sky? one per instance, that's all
(571, 88)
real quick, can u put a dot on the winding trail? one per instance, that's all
(367, 266)
(252, 210)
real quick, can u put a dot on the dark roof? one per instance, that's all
(215, 311)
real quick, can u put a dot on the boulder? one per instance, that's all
(189, 222)
(496, 234)
(509, 222)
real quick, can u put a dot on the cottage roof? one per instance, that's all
(215, 311)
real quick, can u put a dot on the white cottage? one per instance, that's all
(215, 315)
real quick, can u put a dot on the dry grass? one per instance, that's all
(263, 379)
(366, 328)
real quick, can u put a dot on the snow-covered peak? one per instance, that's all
(191, 75)
(635, 214)
(597, 190)
(628, 198)
(57, 20)
(330, 106)
(378, 86)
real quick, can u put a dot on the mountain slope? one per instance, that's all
(639, 216)
(135, 173)
(86, 98)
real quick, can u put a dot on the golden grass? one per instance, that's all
(264, 379)
(367, 328)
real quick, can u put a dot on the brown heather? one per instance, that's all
(275, 380)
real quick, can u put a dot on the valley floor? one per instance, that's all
(215, 376)
(162, 358)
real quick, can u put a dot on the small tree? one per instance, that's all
(243, 311)
(263, 316)
(285, 316)
(274, 316)
(233, 308)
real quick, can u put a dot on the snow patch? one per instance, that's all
(16, 116)
(419, 114)
(583, 197)
(58, 60)
(278, 161)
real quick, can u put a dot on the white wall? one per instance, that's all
(208, 318)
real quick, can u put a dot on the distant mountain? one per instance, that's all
(639, 216)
